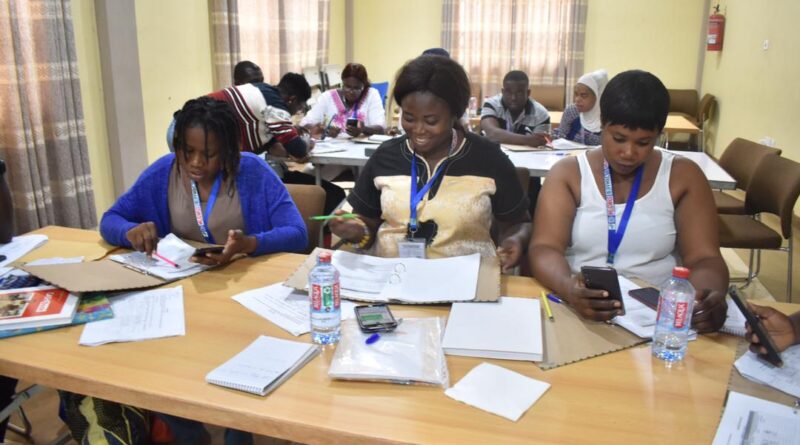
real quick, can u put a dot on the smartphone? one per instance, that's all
(648, 296)
(352, 122)
(603, 278)
(764, 339)
(375, 318)
(202, 251)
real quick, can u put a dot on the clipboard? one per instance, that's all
(488, 279)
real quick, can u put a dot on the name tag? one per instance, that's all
(412, 248)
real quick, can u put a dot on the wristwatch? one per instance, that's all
(2, 167)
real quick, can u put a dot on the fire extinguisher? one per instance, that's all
(716, 30)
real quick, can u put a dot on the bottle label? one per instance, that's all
(680, 314)
(325, 297)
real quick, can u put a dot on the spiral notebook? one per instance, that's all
(263, 366)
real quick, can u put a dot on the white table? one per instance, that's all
(537, 163)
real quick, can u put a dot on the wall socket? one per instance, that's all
(768, 141)
(765, 45)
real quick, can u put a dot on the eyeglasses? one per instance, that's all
(357, 89)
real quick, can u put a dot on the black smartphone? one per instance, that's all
(375, 318)
(764, 339)
(603, 278)
(352, 122)
(648, 296)
(202, 251)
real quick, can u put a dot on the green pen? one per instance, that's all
(327, 217)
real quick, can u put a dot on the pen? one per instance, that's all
(170, 262)
(327, 217)
(547, 307)
(554, 299)
(373, 338)
(327, 127)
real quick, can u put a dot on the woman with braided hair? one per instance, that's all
(207, 191)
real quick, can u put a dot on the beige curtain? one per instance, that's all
(278, 35)
(42, 134)
(544, 38)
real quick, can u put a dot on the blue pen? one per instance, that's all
(373, 338)
(327, 127)
(554, 299)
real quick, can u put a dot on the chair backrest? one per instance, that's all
(741, 159)
(706, 109)
(333, 75)
(383, 89)
(310, 201)
(312, 75)
(683, 101)
(550, 96)
(774, 189)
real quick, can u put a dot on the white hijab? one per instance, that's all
(596, 81)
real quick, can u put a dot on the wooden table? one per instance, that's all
(674, 124)
(624, 397)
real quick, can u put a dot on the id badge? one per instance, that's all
(412, 248)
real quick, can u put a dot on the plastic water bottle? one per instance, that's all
(674, 317)
(323, 283)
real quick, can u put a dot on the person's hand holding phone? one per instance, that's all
(237, 243)
(593, 304)
(777, 325)
(354, 127)
(144, 237)
(710, 310)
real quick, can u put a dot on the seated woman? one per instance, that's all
(354, 100)
(663, 213)
(462, 181)
(207, 191)
(581, 120)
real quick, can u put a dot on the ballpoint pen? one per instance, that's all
(166, 260)
(554, 299)
(327, 217)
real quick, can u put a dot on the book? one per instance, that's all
(35, 307)
(510, 329)
(91, 308)
(263, 366)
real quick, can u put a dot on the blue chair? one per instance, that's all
(383, 90)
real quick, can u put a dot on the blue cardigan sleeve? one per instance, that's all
(274, 216)
(145, 201)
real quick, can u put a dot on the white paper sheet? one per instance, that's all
(407, 279)
(497, 390)
(753, 421)
(566, 144)
(286, 307)
(55, 260)
(19, 246)
(638, 318)
(785, 378)
(170, 247)
(139, 316)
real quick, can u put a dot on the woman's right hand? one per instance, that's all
(593, 304)
(777, 325)
(144, 237)
(348, 229)
(333, 131)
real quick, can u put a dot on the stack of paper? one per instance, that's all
(263, 366)
(749, 420)
(498, 391)
(510, 329)
(638, 318)
(173, 249)
(566, 144)
(139, 316)
(286, 307)
(785, 378)
(19, 246)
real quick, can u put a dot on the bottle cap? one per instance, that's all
(680, 272)
(325, 257)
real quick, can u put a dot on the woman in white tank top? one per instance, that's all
(671, 221)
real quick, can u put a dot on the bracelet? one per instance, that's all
(364, 239)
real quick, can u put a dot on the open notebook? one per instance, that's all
(263, 366)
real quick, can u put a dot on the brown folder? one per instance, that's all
(94, 276)
(488, 278)
(569, 338)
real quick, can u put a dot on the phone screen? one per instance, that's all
(375, 318)
(352, 122)
(648, 296)
(604, 278)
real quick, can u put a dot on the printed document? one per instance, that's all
(139, 316)
(19, 246)
(173, 249)
(785, 378)
(752, 421)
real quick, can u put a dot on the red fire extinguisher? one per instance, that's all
(716, 30)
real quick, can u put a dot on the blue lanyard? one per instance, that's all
(417, 196)
(200, 216)
(615, 234)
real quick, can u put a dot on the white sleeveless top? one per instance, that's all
(648, 250)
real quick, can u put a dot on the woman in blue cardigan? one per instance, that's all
(207, 191)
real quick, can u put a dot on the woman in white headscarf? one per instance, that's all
(581, 119)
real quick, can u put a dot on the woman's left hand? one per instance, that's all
(509, 253)
(237, 243)
(355, 131)
(710, 310)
